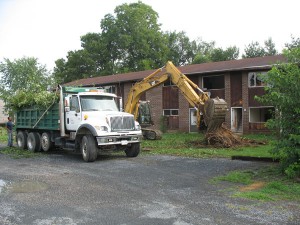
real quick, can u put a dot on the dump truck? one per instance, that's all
(80, 119)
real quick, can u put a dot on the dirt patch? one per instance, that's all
(253, 187)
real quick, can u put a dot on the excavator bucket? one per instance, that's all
(214, 113)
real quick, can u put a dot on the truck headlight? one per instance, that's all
(101, 128)
(137, 126)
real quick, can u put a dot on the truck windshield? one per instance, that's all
(98, 103)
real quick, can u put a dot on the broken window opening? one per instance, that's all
(261, 115)
(255, 79)
(214, 82)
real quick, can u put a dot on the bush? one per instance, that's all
(282, 92)
(163, 124)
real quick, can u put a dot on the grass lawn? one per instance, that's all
(3, 135)
(266, 184)
(182, 144)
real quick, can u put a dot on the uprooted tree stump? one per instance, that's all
(222, 137)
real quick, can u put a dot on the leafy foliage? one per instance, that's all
(255, 50)
(295, 43)
(207, 52)
(181, 50)
(24, 82)
(283, 92)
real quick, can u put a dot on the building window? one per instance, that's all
(110, 89)
(214, 82)
(254, 79)
(170, 112)
(261, 115)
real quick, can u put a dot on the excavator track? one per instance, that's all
(151, 134)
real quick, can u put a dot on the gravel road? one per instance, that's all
(59, 188)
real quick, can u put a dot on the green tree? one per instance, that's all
(295, 43)
(283, 92)
(23, 81)
(207, 52)
(270, 47)
(203, 51)
(103, 51)
(79, 64)
(218, 54)
(135, 37)
(254, 49)
(180, 49)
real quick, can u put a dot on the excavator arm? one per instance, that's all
(213, 110)
(149, 82)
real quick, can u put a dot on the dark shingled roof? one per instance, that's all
(265, 62)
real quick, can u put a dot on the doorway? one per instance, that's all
(237, 119)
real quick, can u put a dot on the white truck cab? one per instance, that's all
(90, 113)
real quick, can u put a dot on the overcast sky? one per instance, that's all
(48, 29)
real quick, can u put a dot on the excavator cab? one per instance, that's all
(144, 114)
(145, 120)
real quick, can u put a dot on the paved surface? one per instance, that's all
(61, 189)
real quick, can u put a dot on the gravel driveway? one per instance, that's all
(59, 188)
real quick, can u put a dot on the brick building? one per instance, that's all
(236, 81)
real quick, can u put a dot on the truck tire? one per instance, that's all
(33, 142)
(133, 150)
(22, 140)
(88, 148)
(46, 143)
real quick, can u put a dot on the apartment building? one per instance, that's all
(236, 81)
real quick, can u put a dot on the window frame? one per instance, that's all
(256, 79)
(219, 75)
(263, 107)
(171, 112)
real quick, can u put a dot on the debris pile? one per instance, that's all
(222, 137)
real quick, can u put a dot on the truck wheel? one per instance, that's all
(88, 148)
(133, 150)
(46, 142)
(33, 142)
(22, 140)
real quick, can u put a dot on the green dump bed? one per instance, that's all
(33, 118)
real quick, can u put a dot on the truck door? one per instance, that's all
(73, 117)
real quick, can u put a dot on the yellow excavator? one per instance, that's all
(212, 109)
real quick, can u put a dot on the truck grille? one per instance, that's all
(122, 123)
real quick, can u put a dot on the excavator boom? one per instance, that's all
(213, 110)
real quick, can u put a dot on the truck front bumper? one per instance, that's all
(118, 139)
